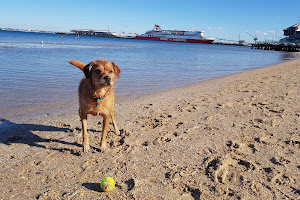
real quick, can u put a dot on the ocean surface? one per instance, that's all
(36, 79)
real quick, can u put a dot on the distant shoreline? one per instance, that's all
(30, 31)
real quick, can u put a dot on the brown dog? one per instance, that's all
(96, 95)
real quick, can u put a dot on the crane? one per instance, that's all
(254, 38)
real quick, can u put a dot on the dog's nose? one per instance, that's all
(107, 78)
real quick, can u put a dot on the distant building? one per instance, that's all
(292, 33)
(94, 33)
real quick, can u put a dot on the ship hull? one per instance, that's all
(175, 39)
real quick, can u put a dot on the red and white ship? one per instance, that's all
(158, 34)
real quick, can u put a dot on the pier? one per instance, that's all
(290, 43)
(292, 47)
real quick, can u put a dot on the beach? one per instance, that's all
(233, 137)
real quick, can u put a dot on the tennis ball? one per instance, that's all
(107, 184)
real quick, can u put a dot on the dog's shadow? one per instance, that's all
(12, 133)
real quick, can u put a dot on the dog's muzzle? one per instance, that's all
(107, 80)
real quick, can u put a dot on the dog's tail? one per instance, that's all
(78, 64)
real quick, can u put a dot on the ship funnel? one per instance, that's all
(156, 28)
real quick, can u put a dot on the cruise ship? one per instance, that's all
(157, 34)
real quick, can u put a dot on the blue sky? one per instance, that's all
(227, 19)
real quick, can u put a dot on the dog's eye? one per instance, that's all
(98, 71)
(110, 71)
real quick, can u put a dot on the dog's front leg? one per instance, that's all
(104, 131)
(114, 123)
(86, 145)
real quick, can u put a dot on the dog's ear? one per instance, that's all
(88, 70)
(116, 69)
(78, 64)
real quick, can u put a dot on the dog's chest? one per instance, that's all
(99, 108)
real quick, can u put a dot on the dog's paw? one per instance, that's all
(86, 148)
(103, 147)
(117, 132)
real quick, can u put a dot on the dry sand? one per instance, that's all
(235, 137)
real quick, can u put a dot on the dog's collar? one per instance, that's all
(98, 99)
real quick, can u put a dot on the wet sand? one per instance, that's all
(235, 137)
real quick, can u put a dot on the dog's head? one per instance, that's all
(100, 72)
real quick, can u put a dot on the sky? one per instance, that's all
(220, 19)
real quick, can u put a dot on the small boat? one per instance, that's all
(157, 34)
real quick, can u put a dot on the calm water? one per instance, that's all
(35, 78)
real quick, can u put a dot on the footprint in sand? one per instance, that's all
(228, 169)
(175, 174)
(242, 148)
(119, 140)
(293, 143)
(275, 176)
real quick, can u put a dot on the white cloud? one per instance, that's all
(261, 33)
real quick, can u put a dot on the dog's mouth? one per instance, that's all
(105, 82)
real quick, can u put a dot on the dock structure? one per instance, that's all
(292, 47)
(99, 33)
(102, 33)
(290, 43)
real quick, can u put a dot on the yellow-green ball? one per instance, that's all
(107, 184)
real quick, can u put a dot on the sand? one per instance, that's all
(234, 137)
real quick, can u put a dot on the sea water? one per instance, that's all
(36, 79)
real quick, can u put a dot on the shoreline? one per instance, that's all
(41, 111)
(235, 136)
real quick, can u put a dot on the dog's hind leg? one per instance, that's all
(86, 145)
(114, 123)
